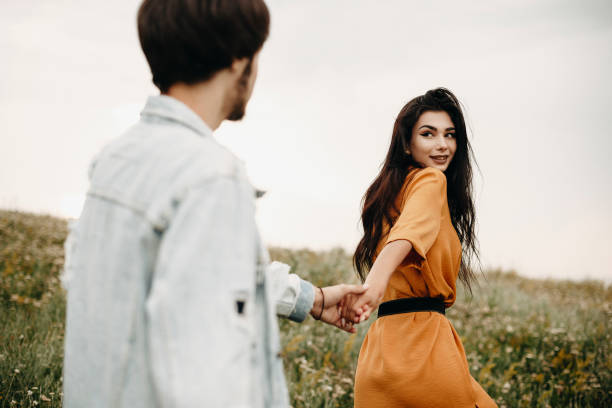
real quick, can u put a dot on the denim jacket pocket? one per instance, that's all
(242, 330)
(242, 323)
(242, 313)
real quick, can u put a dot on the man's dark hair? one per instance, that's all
(189, 40)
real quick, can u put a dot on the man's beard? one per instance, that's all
(239, 104)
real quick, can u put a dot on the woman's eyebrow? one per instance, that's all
(429, 127)
(434, 128)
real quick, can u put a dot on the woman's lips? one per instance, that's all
(439, 159)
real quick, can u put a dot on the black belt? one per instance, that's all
(408, 305)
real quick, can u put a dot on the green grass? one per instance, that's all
(32, 310)
(530, 343)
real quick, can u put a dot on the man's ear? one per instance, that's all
(238, 65)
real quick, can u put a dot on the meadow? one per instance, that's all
(530, 343)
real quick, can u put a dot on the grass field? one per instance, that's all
(530, 343)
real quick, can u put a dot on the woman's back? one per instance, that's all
(417, 359)
(431, 269)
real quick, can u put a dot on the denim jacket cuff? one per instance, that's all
(304, 303)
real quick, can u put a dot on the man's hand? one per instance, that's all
(333, 296)
(358, 308)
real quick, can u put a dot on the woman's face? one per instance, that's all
(433, 142)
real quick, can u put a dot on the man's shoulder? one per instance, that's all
(171, 153)
(150, 167)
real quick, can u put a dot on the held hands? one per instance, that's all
(332, 296)
(357, 309)
(343, 305)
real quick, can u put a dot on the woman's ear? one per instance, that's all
(405, 145)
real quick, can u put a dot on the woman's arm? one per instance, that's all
(295, 297)
(416, 229)
(359, 309)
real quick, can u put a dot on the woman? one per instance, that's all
(418, 218)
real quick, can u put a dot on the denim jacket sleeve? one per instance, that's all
(293, 296)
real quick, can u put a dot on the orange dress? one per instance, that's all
(417, 359)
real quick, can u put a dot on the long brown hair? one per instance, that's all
(379, 200)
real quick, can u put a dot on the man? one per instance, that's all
(171, 298)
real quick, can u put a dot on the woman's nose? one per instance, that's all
(442, 145)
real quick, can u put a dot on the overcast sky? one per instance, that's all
(534, 77)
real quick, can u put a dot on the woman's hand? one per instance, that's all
(332, 296)
(358, 308)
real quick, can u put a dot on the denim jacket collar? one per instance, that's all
(172, 109)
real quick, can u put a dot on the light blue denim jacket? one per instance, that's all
(172, 301)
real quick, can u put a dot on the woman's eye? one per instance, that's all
(450, 134)
(426, 134)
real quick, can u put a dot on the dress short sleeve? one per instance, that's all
(421, 212)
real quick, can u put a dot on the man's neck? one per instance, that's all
(204, 98)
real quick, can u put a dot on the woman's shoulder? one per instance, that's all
(422, 179)
(420, 175)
